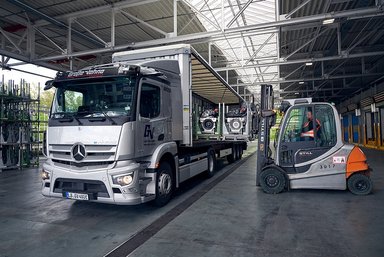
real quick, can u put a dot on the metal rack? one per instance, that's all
(19, 126)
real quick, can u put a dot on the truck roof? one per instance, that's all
(206, 82)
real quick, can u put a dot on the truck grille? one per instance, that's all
(93, 187)
(96, 157)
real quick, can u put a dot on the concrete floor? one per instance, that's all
(234, 218)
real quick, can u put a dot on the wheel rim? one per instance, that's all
(271, 181)
(361, 185)
(165, 184)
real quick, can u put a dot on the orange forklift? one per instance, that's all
(309, 151)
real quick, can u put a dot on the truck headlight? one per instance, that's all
(123, 180)
(44, 174)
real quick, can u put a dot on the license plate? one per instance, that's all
(77, 196)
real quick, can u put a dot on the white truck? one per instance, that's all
(122, 133)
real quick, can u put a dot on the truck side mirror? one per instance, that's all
(48, 85)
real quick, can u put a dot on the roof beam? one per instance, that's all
(311, 90)
(297, 8)
(130, 16)
(25, 59)
(328, 78)
(239, 13)
(259, 49)
(319, 59)
(307, 43)
(194, 9)
(293, 81)
(89, 31)
(51, 20)
(10, 40)
(97, 10)
(50, 40)
(206, 36)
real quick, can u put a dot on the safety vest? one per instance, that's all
(308, 130)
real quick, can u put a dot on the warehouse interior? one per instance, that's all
(328, 50)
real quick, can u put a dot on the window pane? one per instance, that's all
(326, 135)
(149, 101)
(296, 122)
(91, 97)
(73, 100)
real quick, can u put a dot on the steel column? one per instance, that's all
(174, 18)
(113, 27)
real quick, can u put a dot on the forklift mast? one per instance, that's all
(267, 119)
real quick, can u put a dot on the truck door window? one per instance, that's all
(149, 101)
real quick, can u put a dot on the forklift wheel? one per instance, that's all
(272, 181)
(360, 184)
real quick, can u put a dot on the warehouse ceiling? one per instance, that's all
(325, 49)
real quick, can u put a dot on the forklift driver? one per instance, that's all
(307, 131)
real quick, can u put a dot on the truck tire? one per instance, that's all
(360, 184)
(272, 181)
(164, 184)
(232, 157)
(211, 156)
(237, 152)
(240, 152)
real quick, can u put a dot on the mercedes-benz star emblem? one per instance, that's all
(78, 152)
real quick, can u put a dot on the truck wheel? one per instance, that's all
(211, 163)
(360, 184)
(272, 181)
(164, 187)
(240, 152)
(232, 157)
(237, 152)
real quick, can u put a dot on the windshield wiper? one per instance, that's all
(67, 117)
(78, 120)
(105, 114)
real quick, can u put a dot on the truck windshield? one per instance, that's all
(96, 97)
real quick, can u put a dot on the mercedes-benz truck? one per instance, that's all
(123, 132)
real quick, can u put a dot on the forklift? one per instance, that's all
(309, 151)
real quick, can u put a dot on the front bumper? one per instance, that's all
(98, 184)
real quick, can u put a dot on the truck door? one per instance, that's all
(152, 125)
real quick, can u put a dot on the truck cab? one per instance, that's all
(107, 121)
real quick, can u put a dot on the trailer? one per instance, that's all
(128, 132)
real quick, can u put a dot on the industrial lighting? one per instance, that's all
(308, 63)
(328, 21)
(301, 82)
(296, 93)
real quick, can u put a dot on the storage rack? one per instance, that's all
(19, 126)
